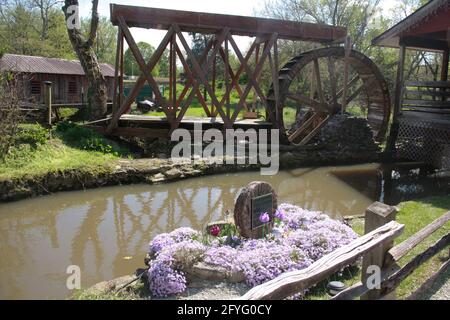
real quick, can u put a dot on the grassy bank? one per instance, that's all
(37, 151)
(416, 215)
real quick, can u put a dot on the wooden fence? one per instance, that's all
(376, 248)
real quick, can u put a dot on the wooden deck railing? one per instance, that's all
(427, 97)
(376, 248)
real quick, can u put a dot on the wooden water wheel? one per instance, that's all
(312, 90)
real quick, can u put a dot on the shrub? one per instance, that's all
(86, 139)
(10, 114)
(33, 135)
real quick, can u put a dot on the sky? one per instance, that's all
(235, 7)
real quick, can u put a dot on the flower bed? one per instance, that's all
(298, 238)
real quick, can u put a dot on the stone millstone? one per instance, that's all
(243, 209)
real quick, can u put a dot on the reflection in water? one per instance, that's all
(100, 229)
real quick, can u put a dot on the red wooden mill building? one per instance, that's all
(69, 83)
(421, 117)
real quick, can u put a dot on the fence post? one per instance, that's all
(48, 101)
(377, 214)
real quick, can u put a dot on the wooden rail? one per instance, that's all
(376, 246)
(293, 282)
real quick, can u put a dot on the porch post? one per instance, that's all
(444, 71)
(390, 146)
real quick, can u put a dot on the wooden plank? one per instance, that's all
(445, 62)
(428, 84)
(290, 283)
(304, 126)
(427, 93)
(234, 79)
(426, 110)
(188, 83)
(146, 17)
(318, 81)
(397, 252)
(314, 131)
(426, 103)
(395, 280)
(391, 141)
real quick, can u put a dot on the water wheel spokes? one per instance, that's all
(320, 83)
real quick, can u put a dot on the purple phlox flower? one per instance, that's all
(279, 214)
(264, 217)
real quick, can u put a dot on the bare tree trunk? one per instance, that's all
(97, 90)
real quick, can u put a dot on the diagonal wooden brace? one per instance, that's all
(140, 81)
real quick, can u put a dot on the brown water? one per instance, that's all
(106, 231)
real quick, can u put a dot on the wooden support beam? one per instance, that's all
(234, 79)
(253, 76)
(140, 81)
(445, 62)
(195, 91)
(348, 49)
(377, 214)
(188, 83)
(121, 73)
(115, 105)
(213, 23)
(390, 145)
(199, 72)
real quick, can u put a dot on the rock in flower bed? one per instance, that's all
(299, 238)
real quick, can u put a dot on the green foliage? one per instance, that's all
(23, 31)
(86, 139)
(33, 135)
(33, 153)
(131, 67)
(105, 42)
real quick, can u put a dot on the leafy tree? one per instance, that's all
(106, 39)
(84, 48)
(34, 27)
(164, 64)
(131, 67)
(45, 10)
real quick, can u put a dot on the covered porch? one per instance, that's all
(420, 128)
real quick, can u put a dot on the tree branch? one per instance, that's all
(94, 24)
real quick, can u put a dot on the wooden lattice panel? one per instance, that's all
(424, 141)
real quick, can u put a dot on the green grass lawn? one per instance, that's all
(196, 110)
(416, 215)
(34, 153)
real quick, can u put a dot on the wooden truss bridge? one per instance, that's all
(303, 94)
